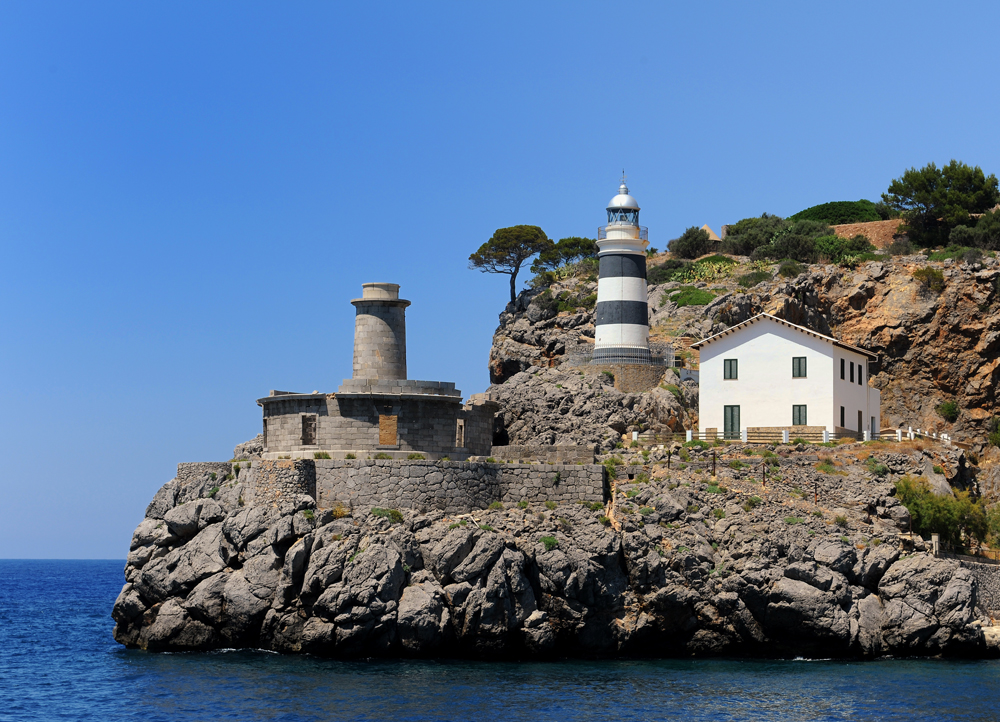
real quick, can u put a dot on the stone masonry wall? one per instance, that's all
(479, 417)
(197, 471)
(452, 486)
(630, 378)
(270, 481)
(549, 454)
(988, 577)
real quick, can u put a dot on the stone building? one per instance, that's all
(378, 410)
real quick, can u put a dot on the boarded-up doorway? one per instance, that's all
(387, 430)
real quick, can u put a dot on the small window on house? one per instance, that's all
(841, 417)
(842, 369)
(852, 372)
(799, 415)
(308, 429)
(730, 369)
(860, 382)
(799, 367)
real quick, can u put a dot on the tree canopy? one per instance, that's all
(565, 251)
(838, 212)
(935, 200)
(508, 249)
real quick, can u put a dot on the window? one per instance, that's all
(852, 372)
(875, 429)
(841, 417)
(730, 369)
(265, 433)
(731, 422)
(860, 383)
(308, 429)
(799, 415)
(460, 434)
(842, 369)
(798, 367)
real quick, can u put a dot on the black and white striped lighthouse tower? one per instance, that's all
(622, 317)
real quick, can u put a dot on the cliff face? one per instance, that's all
(674, 565)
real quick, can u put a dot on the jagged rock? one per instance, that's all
(252, 449)
(424, 622)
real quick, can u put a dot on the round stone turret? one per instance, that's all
(380, 332)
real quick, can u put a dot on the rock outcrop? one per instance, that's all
(677, 563)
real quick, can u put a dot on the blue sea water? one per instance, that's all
(59, 662)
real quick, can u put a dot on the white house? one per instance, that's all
(767, 373)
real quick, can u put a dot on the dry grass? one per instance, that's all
(879, 233)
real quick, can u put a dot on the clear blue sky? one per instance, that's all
(191, 193)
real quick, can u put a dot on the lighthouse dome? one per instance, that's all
(623, 200)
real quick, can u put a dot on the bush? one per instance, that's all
(496, 506)
(415, 457)
(938, 469)
(953, 517)
(948, 411)
(752, 503)
(839, 212)
(646, 510)
(212, 492)
(550, 505)
(736, 464)
(392, 515)
(523, 504)
(665, 272)
(320, 455)
(840, 520)
(932, 278)
(900, 246)
(692, 243)
(993, 431)
(340, 511)
(351, 456)
(877, 468)
(984, 234)
(749, 234)
(604, 520)
(691, 296)
(836, 248)
(719, 513)
(309, 514)
(550, 542)
(751, 279)
(789, 269)
(791, 520)
(382, 455)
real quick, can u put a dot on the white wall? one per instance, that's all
(765, 390)
(853, 397)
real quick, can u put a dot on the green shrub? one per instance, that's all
(789, 269)
(697, 442)
(351, 456)
(646, 510)
(550, 542)
(550, 505)
(714, 489)
(791, 520)
(486, 527)
(665, 272)
(932, 278)
(993, 431)
(938, 469)
(818, 514)
(953, 517)
(212, 476)
(631, 493)
(212, 492)
(752, 503)
(415, 457)
(719, 513)
(948, 411)
(836, 248)
(749, 234)
(840, 520)
(340, 511)
(523, 504)
(383, 455)
(457, 524)
(736, 464)
(491, 460)
(826, 466)
(692, 243)
(799, 440)
(691, 296)
(877, 467)
(604, 520)
(496, 506)
(320, 455)
(610, 377)
(392, 515)
(309, 514)
(595, 506)
(840, 212)
(674, 390)
(751, 279)
(900, 246)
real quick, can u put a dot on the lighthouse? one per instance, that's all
(622, 315)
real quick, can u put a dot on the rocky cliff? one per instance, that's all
(677, 563)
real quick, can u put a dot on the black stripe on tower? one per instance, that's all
(623, 265)
(611, 312)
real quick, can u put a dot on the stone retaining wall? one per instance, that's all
(547, 453)
(630, 378)
(988, 577)
(197, 471)
(271, 480)
(453, 486)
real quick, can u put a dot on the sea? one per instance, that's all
(58, 661)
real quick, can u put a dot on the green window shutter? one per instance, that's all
(730, 369)
(799, 367)
(799, 415)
